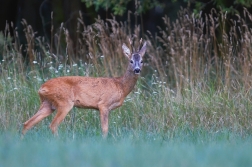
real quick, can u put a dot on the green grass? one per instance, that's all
(196, 148)
(154, 127)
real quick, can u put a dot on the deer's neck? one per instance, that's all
(128, 81)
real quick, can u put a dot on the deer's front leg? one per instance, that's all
(104, 114)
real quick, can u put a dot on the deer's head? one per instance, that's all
(135, 58)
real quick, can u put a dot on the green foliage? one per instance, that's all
(145, 5)
(119, 7)
(227, 6)
(246, 3)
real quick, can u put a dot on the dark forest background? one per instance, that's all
(43, 14)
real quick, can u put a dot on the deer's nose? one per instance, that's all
(137, 70)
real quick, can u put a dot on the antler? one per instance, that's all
(132, 44)
(140, 44)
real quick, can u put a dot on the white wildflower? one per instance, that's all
(60, 66)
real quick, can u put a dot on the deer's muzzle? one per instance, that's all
(137, 71)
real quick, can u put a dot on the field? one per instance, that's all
(191, 105)
(186, 148)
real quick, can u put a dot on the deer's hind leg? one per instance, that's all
(62, 111)
(44, 111)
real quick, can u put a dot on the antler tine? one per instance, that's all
(140, 44)
(132, 44)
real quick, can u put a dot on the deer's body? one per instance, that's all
(83, 92)
(103, 94)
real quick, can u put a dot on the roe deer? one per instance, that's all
(103, 94)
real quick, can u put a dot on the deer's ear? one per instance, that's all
(126, 51)
(142, 50)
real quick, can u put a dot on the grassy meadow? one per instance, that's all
(190, 107)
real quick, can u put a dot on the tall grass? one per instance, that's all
(197, 73)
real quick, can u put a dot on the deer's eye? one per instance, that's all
(141, 62)
(131, 61)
